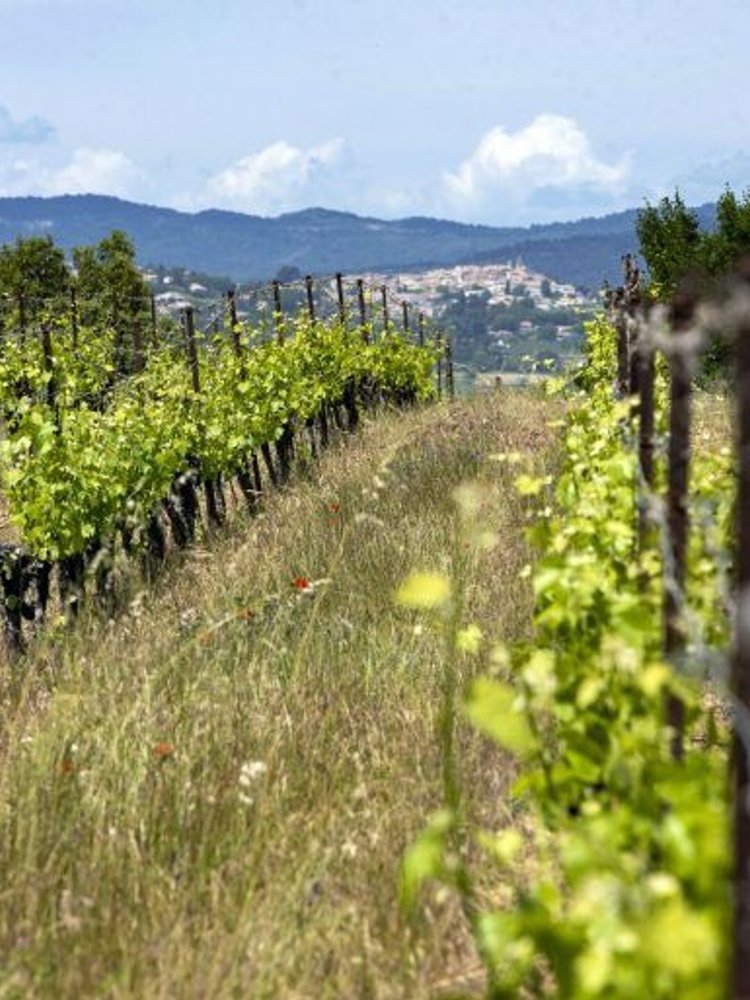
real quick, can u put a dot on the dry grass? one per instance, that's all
(209, 796)
(713, 421)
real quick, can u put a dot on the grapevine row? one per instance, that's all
(93, 465)
(632, 866)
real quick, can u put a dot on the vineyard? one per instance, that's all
(108, 440)
(452, 706)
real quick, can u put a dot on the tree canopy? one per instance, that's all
(36, 280)
(674, 246)
(676, 249)
(33, 271)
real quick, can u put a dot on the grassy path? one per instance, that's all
(210, 796)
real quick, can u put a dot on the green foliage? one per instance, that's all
(670, 240)
(101, 456)
(98, 432)
(676, 249)
(730, 241)
(624, 887)
(113, 293)
(600, 353)
(106, 292)
(471, 318)
(674, 246)
(33, 271)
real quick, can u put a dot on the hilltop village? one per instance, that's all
(502, 317)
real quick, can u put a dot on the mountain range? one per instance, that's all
(321, 241)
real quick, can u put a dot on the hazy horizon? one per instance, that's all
(321, 208)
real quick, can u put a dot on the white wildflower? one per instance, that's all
(251, 771)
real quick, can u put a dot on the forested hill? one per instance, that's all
(248, 247)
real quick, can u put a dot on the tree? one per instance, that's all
(673, 244)
(674, 248)
(113, 292)
(731, 241)
(288, 273)
(33, 274)
(670, 241)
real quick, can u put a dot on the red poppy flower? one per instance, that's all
(163, 750)
(334, 507)
(301, 583)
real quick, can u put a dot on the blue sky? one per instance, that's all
(482, 111)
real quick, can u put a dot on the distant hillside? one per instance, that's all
(251, 248)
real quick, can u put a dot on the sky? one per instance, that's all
(485, 111)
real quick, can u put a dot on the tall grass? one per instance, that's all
(209, 795)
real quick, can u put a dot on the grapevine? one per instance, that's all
(87, 456)
(624, 886)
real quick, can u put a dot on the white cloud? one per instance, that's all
(552, 152)
(87, 171)
(96, 171)
(275, 178)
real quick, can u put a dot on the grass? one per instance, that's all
(713, 421)
(209, 796)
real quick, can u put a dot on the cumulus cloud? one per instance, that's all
(87, 171)
(28, 130)
(275, 178)
(553, 152)
(96, 171)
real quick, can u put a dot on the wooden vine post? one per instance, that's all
(248, 473)
(74, 316)
(449, 368)
(285, 444)
(740, 676)
(278, 311)
(621, 326)
(212, 507)
(646, 375)
(405, 311)
(362, 309)
(11, 583)
(234, 329)
(192, 352)
(640, 387)
(340, 298)
(678, 472)
(154, 327)
(632, 309)
(310, 297)
(249, 476)
(420, 329)
(384, 297)
(49, 366)
(350, 389)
